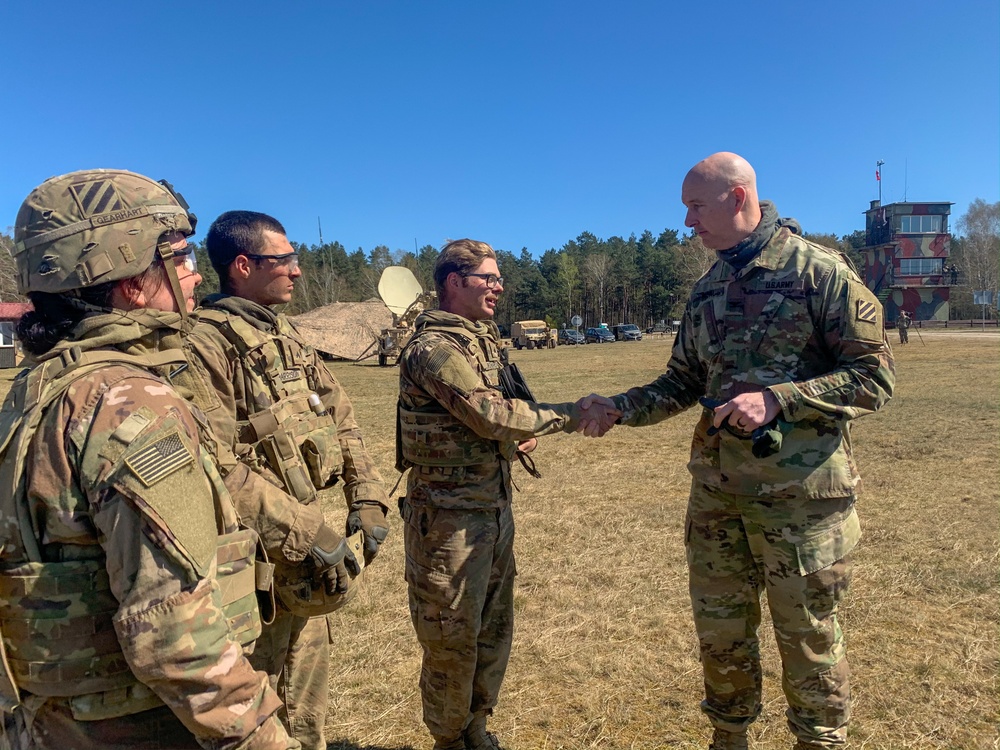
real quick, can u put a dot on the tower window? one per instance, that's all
(921, 266)
(920, 224)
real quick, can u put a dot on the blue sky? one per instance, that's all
(519, 123)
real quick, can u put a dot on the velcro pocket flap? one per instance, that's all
(830, 545)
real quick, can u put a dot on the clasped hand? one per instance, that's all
(599, 415)
(748, 411)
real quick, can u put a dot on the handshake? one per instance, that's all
(599, 415)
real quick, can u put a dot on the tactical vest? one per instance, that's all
(281, 430)
(57, 635)
(430, 435)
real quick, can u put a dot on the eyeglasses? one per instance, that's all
(190, 260)
(491, 278)
(285, 260)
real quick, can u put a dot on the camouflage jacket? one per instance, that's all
(449, 372)
(799, 322)
(258, 364)
(117, 516)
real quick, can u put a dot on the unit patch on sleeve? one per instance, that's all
(159, 459)
(866, 311)
(862, 318)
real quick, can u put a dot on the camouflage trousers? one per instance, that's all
(460, 577)
(295, 654)
(904, 336)
(798, 552)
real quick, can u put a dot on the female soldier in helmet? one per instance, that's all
(126, 582)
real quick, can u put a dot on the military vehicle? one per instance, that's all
(529, 334)
(406, 299)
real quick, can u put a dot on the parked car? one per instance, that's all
(598, 335)
(627, 332)
(571, 336)
(660, 327)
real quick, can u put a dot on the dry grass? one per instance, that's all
(605, 653)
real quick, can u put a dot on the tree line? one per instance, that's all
(640, 279)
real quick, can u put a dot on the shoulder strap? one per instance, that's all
(465, 336)
(242, 336)
(247, 343)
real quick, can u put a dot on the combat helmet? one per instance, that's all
(94, 226)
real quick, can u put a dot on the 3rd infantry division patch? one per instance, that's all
(159, 459)
(866, 311)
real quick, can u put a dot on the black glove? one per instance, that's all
(333, 559)
(369, 517)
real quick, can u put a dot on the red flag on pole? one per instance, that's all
(878, 177)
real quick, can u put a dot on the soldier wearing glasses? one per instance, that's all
(458, 433)
(125, 603)
(287, 417)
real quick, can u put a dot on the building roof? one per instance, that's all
(13, 310)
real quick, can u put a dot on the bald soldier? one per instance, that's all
(783, 344)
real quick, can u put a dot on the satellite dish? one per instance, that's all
(398, 288)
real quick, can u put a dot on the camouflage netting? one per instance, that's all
(345, 330)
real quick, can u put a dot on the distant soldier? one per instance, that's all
(903, 323)
(458, 433)
(779, 334)
(284, 414)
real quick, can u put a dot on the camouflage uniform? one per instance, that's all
(458, 433)
(126, 582)
(797, 321)
(259, 368)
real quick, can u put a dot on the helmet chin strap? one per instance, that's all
(166, 254)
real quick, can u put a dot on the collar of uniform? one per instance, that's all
(136, 331)
(441, 318)
(769, 256)
(259, 316)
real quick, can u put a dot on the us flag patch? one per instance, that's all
(97, 197)
(160, 459)
(866, 311)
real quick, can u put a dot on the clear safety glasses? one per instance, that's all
(287, 261)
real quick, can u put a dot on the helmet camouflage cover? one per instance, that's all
(91, 227)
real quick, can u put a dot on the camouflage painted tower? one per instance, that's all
(907, 248)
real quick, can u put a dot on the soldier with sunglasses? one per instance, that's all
(288, 418)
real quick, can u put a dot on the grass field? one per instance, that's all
(604, 652)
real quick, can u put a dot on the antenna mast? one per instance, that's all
(320, 225)
(878, 178)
